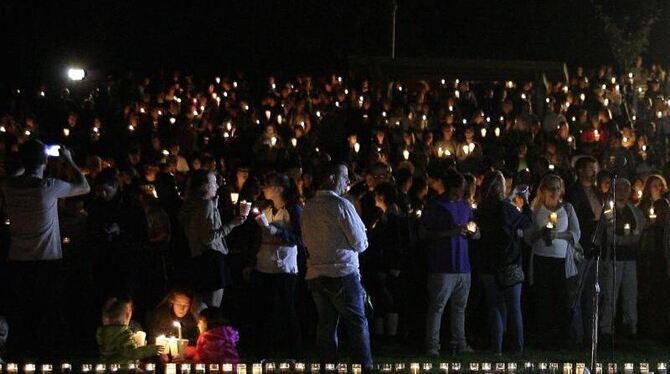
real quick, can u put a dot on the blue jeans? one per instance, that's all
(441, 288)
(502, 303)
(335, 298)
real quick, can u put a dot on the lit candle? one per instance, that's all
(472, 227)
(550, 225)
(418, 213)
(66, 132)
(200, 368)
(626, 229)
(29, 368)
(483, 131)
(466, 149)
(242, 368)
(171, 368)
(497, 131)
(234, 196)
(553, 218)
(639, 194)
(357, 147)
(652, 214)
(273, 141)
(552, 167)
(294, 142)
(414, 368)
(405, 154)
(178, 326)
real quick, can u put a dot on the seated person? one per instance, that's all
(217, 342)
(176, 307)
(114, 337)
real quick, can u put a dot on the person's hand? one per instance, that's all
(238, 220)
(178, 359)
(262, 220)
(460, 230)
(161, 350)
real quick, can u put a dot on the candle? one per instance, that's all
(552, 167)
(171, 368)
(66, 132)
(185, 369)
(85, 368)
(639, 194)
(29, 368)
(66, 368)
(227, 368)
(242, 368)
(200, 368)
(418, 213)
(357, 147)
(472, 227)
(550, 225)
(626, 229)
(553, 218)
(299, 367)
(652, 214)
(473, 206)
(178, 326)
(213, 368)
(596, 134)
(483, 131)
(273, 141)
(440, 152)
(100, 368)
(294, 142)
(497, 132)
(405, 154)
(414, 368)
(151, 368)
(466, 149)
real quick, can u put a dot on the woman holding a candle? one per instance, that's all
(176, 308)
(630, 223)
(552, 268)
(275, 272)
(500, 221)
(205, 233)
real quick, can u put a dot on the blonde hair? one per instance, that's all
(548, 181)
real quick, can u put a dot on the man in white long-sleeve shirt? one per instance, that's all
(334, 235)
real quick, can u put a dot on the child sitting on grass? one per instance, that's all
(217, 342)
(115, 338)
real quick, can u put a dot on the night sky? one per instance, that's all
(45, 36)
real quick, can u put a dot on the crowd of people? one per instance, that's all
(279, 208)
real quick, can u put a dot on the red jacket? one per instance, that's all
(217, 345)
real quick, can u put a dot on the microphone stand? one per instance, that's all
(596, 242)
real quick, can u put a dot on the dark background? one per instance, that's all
(43, 37)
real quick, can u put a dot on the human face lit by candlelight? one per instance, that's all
(181, 304)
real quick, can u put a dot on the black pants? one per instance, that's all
(35, 308)
(552, 304)
(276, 315)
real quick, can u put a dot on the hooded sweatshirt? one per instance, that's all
(117, 346)
(216, 345)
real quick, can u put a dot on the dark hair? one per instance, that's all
(290, 193)
(582, 162)
(115, 308)
(493, 187)
(213, 317)
(197, 183)
(402, 176)
(452, 179)
(32, 154)
(107, 177)
(323, 176)
(388, 192)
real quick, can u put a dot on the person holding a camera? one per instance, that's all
(501, 221)
(30, 202)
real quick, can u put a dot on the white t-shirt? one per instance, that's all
(31, 205)
(558, 247)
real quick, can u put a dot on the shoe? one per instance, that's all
(432, 353)
(455, 350)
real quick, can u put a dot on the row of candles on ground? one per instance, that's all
(289, 367)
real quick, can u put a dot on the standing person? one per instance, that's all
(276, 266)
(445, 226)
(630, 224)
(205, 233)
(552, 236)
(35, 253)
(585, 198)
(500, 221)
(334, 235)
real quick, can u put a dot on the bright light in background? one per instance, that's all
(76, 74)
